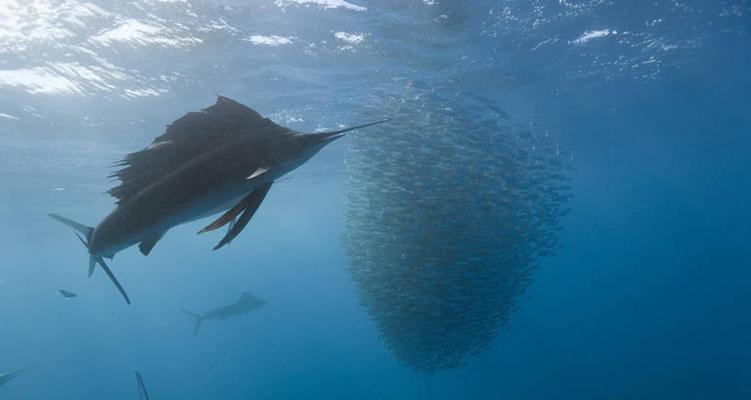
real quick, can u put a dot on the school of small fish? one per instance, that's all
(450, 208)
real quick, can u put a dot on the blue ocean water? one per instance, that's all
(644, 294)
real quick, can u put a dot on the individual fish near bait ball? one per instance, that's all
(67, 294)
(224, 158)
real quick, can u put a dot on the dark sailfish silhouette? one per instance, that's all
(221, 159)
(245, 304)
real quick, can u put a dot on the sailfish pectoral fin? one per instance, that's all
(251, 203)
(233, 212)
(257, 173)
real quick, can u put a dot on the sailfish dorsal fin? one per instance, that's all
(186, 138)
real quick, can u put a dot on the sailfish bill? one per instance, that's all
(339, 133)
(196, 168)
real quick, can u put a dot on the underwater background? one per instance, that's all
(558, 208)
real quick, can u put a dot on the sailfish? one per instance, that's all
(222, 159)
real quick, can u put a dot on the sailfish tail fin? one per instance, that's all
(87, 231)
(198, 319)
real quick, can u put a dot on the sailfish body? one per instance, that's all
(222, 158)
(245, 304)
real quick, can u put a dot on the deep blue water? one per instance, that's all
(647, 294)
